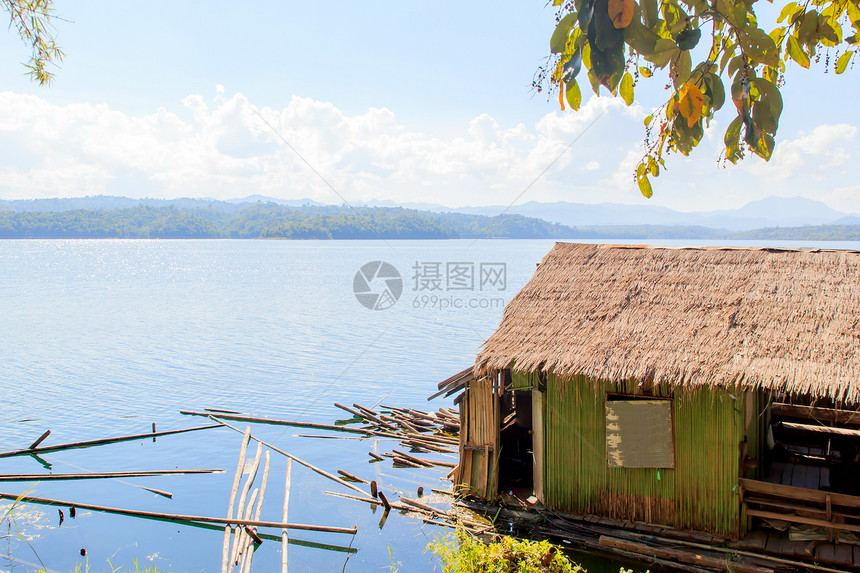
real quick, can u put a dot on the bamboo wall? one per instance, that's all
(479, 438)
(699, 493)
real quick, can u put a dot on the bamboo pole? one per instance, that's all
(284, 539)
(725, 564)
(237, 478)
(278, 422)
(250, 530)
(238, 539)
(179, 517)
(101, 441)
(41, 439)
(239, 543)
(348, 475)
(102, 475)
(297, 460)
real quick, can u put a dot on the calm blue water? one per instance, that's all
(103, 338)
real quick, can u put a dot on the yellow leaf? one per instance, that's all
(621, 12)
(690, 103)
(561, 96)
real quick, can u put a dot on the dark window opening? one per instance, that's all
(515, 444)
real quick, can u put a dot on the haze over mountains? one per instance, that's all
(769, 212)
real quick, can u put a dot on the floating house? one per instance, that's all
(642, 383)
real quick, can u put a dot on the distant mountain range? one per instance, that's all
(99, 216)
(768, 212)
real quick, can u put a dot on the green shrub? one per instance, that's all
(462, 553)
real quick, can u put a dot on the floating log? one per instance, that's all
(237, 478)
(725, 564)
(384, 501)
(41, 439)
(177, 517)
(278, 422)
(102, 441)
(369, 414)
(413, 459)
(355, 413)
(352, 477)
(102, 475)
(396, 506)
(304, 463)
(425, 507)
(376, 457)
(425, 461)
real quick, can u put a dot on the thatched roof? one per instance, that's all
(772, 318)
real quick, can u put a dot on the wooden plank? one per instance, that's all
(690, 557)
(801, 519)
(795, 507)
(755, 541)
(755, 486)
(813, 477)
(798, 475)
(537, 443)
(824, 552)
(817, 414)
(842, 554)
(824, 430)
(775, 473)
(785, 478)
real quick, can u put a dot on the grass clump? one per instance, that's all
(462, 553)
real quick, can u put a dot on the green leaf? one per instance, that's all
(718, 91)
(681, 68)
(768, 108)
(842, 62)
(732, 140)
(558, 41)
(571, 67)
(688, 39)
(676, 18)
(787, 11)
(796, 52)
(764, 146)
(605, 34)
(759, 46)
(640, 38)
(573, 95)
(586, 11)
(642, 180)
(626, 89)
(829, 36)
(648, 120)
(808, 28)
(650, 13)
(663, 52)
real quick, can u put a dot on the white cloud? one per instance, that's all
(221, 147)
(809, 152)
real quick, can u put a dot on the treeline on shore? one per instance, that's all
(269, 220)
(273, 221)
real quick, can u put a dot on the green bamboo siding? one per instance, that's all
(710, 425)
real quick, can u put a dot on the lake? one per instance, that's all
(106, 337)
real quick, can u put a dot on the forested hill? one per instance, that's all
(269, 220)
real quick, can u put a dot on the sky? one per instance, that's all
(378, 100)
